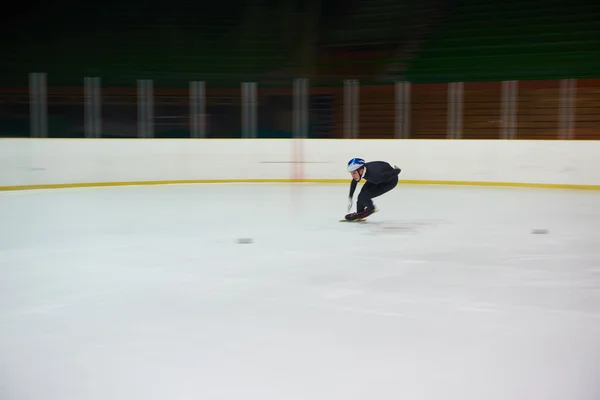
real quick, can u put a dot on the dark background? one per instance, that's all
(271, 42)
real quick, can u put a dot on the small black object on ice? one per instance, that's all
(539, 231)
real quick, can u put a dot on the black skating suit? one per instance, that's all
(381, 177)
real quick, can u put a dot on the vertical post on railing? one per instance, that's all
(509, 109)
(38, 105)
(505, 107)
(295, 109)
(141, 107)
(455, 110)
(572, 108)
(249, 112)
(305, 108)
(351, 108)
(150, 107)
(347, 109)
(356, 109)
(145, 108)
(459, 109)
(567, 109)
(197, 109)
(513, 112)
(93, 107)
(300, 112)
(244, 109)
(254, 111)
(301, 101)
(450, 117)
(402, 110)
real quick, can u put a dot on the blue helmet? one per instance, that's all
(355, 164)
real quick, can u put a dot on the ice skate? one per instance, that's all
(359, 216)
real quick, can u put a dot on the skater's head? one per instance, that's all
(358, 174)
(356, 167)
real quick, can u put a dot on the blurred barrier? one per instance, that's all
(566, 109)
(48, 163)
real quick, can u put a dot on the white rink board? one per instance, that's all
(58, 161)
(27, 162)
(544, 162)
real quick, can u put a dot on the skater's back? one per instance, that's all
(379, 172)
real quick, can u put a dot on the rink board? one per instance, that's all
(61, 163)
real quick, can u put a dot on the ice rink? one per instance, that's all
(145, 293)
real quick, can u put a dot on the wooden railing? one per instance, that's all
(538, 110)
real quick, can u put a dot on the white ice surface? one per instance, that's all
(144, 293)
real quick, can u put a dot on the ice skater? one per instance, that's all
(380, 178)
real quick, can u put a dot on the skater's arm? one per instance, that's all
(352, 188)
(351, 194)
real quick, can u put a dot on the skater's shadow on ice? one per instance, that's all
(401, 227)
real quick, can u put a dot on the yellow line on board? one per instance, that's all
(320, 181)
(504, 184)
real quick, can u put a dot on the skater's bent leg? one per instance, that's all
(364, 202)
(383, 188)
(365, 198)
(371, 191)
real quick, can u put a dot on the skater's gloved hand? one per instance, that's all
(349, 203)
(397, 167)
